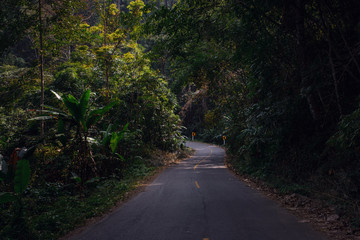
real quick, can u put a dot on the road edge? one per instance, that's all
(140, 187)
(334, 229)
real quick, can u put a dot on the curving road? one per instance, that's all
(199, 199)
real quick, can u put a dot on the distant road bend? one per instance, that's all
(199, 199)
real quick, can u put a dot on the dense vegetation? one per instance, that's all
(91, 87)
(82, 111)
(280, 79)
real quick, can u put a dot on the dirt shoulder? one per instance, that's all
(313, 211)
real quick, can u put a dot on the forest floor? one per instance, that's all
(322, 216)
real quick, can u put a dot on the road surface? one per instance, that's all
(199, 199)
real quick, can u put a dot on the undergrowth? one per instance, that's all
(53, 209)
(321, 188)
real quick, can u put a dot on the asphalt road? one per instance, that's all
(199, 199)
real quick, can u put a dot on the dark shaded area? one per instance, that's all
(280, 80)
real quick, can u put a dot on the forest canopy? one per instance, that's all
(93, 87)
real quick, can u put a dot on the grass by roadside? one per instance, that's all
(54, 209)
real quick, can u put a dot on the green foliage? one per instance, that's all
(22, 176)
(18, 224)
(76, 178)
(17, 87)
(80, 115)
(344, 152)
(79, 111)
(13, 125)
(348, 135)
(93, 54)
(7, 197)
(59, 208)
(14, 22)
(273, 77)
(73, 77)
(21, 181)
(116, 137)
(60, 27)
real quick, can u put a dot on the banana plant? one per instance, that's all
(112, 139)
(79, 114)
(79, 110)
(21, 181)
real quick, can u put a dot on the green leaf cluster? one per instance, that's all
(21, 181)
